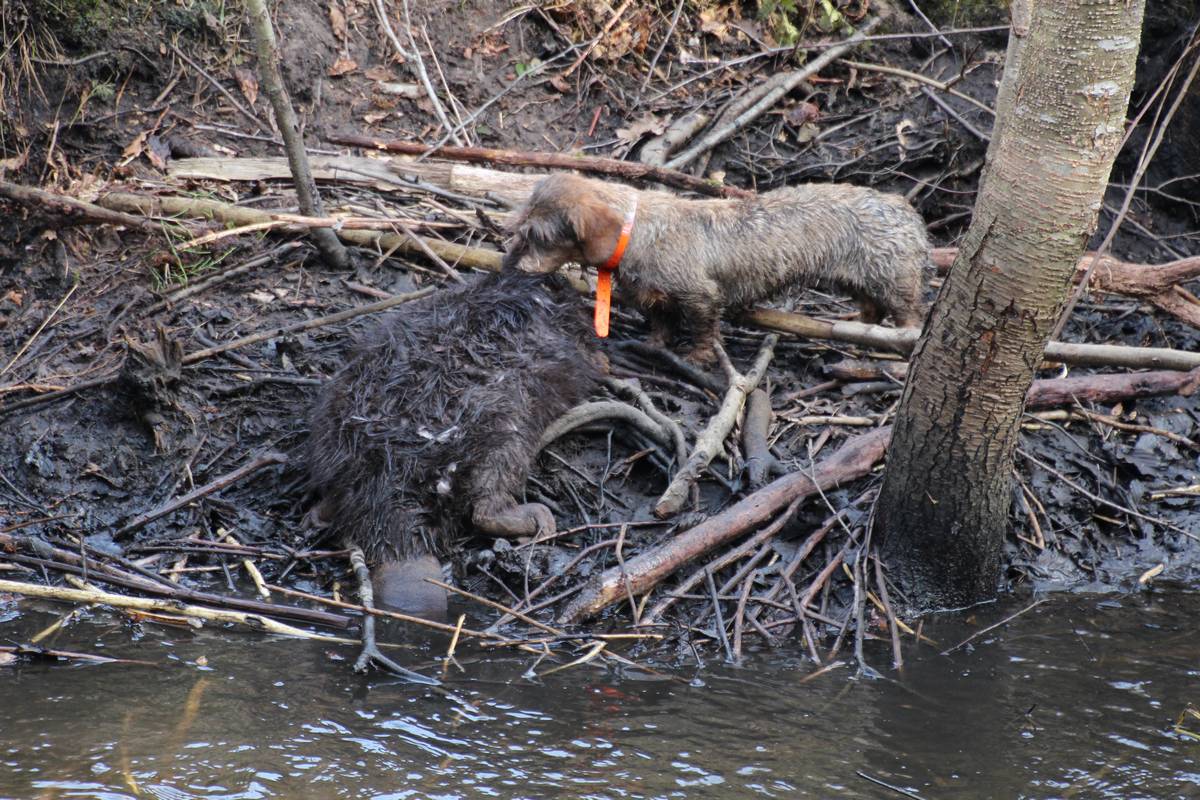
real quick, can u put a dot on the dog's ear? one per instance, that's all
(597, 227)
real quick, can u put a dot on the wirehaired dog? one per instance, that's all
(430, 428)
(685, 261)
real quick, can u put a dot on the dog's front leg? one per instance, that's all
(703, 317)
(664, 325)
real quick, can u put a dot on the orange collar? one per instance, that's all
(605, 272)
(614, 260)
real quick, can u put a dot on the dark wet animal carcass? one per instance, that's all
(430, 429)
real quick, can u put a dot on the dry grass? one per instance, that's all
(25, 40)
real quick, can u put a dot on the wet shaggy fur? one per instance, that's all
(435, 417)
(688, 260)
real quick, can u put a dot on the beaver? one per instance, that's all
(430, 428)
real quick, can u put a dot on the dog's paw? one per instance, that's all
(702, 356)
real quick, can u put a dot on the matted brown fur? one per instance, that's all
(429, 430)
(688, 260)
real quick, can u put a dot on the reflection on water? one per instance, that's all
(1075, 700)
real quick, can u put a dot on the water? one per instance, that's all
(1076, 699)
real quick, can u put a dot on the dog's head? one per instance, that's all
(567, 219)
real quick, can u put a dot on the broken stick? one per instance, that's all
(709, 443)
(602, 166)
(267, 50)
(853, 460)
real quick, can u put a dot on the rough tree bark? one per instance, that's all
(942, 511)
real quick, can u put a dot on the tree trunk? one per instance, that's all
(942, 511)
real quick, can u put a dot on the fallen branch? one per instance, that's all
(656, 151)
(57, 394)
(383, 174)
(853, 460)
(216, 84)
(1050, 392)
(214, 485)
(603, 166)
(227, 212)
(10, 653)
(719, 563)
(1046, 393)
(901, 340)
(371, 654)
(306, 325)
(712, 439)
(675, 363)
(612, 20)
(414, 55)
(756, 427)
(597, 641)
(71, 209)
(941, 86)
(715, 137)
(1156, 283)
(257, 622)
(92, 566)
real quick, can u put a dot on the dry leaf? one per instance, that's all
(157, 151)
(492, 44)
(248, 83)
(13, 295)
(1151, 574)
(646, 125)
(337, 21)
(806, 133)
(342, 66)
(372, 119)
(716, 20)
(803, 112)
(134, 148)
(16, 162)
